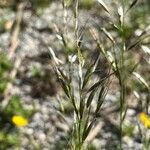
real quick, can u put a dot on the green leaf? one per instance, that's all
(82, 105)
(98, 83)
(87, 131)
(132, 4)
(65, 78)
(100, 99)
(90, 98)
(5, 63)
(65, 87)
(15, 107)
(89, 72)
(3, 85)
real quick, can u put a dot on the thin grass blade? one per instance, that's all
(64, 87)
(87, 131)
(108, 35)
(82, 105)
(121, 14)
(124, 114)
(104, 6)
(100, 99)
(63, 76)
(132, 4)
(141, 79)
(96, 85)
(89, 72)
(146, 49)
(90, 98)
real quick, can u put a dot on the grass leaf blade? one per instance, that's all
(90, 98)
(104, 6)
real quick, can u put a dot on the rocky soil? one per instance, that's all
(48, 129)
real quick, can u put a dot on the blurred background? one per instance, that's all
(29, 87)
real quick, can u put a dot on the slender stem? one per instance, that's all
(76, 20)
(122, 98)
(147, 102)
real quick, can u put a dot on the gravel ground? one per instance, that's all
(48, 128)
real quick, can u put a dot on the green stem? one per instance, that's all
(122, 98)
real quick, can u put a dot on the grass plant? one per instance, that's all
(83, 88)
(117, 57)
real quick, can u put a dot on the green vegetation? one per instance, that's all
(5, 67)
(120, 48)
(9, 134)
